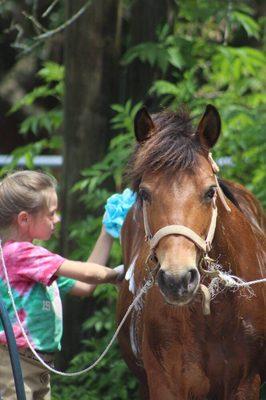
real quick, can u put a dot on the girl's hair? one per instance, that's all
(23, 191)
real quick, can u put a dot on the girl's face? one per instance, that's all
(42, 224)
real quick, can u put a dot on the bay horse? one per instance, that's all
(174, 349)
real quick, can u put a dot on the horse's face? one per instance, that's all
(182, 200)
(178, 197)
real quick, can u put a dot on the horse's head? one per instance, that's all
(176, 185)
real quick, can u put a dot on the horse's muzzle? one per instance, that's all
(179, 290)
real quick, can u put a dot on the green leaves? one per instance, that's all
(159, 54)
(52, 72)
(251, 27)
(112, 166)
(233, 65)
(207, 59)
(28, 152)
(175, 57)
(30, 98)
(50, 121)
(53, 75)
(40, 120)
(123, 119)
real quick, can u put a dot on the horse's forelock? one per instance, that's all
(173, 147)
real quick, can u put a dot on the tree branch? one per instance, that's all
(49, 9)
(37, 40)
(60, 28)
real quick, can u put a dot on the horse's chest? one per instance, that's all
(232, 348)
(200, 355)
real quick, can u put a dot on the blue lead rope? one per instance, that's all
(13, 352)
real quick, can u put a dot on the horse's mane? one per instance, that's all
(228, 193)
(172, 147)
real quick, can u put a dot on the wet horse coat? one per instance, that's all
(175, 351)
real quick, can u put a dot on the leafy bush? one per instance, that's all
(49, 122)
(202, 65)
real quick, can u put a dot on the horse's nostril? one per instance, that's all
(161, 278)
(192, 278)
(165, 279)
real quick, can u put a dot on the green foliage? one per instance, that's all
(49, 122)
(110, 379)
(113, 165)
(52, 75)
(28, 152)
(157, 54)
(210, 68)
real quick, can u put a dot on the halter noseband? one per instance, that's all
(203, 244)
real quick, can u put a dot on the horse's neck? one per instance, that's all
(248, 203)
(238, 245)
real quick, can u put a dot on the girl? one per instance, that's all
(39, 278)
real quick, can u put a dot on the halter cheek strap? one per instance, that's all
(216, 169)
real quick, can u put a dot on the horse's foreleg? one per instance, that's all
(158, 388)
(159, 381)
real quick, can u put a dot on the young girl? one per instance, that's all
(39, 278)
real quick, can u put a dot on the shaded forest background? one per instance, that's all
(72, 76)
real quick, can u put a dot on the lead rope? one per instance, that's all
(149, 282)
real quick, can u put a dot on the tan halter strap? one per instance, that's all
(182, 230)
(216, 169)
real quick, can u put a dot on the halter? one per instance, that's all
(203, 244)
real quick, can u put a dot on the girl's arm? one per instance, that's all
(102, 248)
(82, 289)
(86, 289)
(100, 254)
(89, 274)
(122, 202)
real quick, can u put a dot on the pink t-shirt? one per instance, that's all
(31, 271)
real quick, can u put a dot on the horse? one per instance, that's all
(184, 222)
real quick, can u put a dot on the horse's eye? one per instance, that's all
(210, 193)
(144, 195)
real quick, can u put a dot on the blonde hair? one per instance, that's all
(23, 191)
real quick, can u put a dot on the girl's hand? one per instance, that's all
(120, 269)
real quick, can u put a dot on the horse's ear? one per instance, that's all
(143, 125)
(209, 127)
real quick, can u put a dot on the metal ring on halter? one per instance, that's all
(150, 258)
(212, 274)
(151, 278)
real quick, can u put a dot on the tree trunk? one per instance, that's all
(90, 62)
(146, 17)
